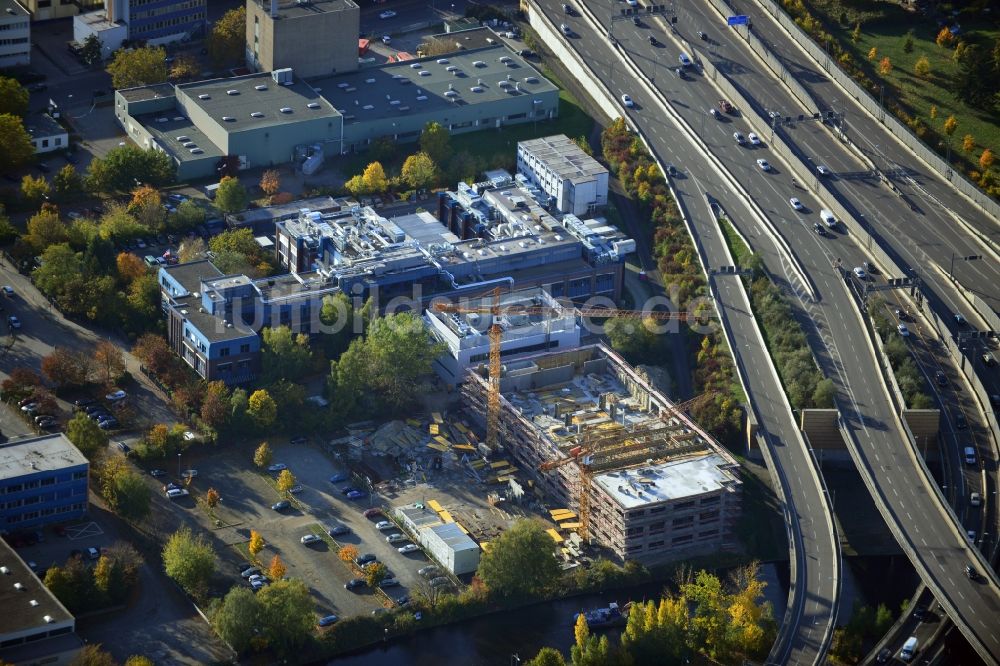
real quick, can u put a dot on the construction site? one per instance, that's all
(637, 476)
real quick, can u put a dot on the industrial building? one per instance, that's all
(44, 10)
(35, 628)
(313, 37)
(446, 541)
(487, 235)
(647, 482)
(577, 182)
(276, 118)
(42, 480)
(15, 35)
(466, 336)
(46, 134)
(153, 22)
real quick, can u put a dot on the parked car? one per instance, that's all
(296, 489)
(384, 525)
(252, 571)
(395, 538)
(26, 401)
(13, 321)
(340, 477)
(371, 513)
(8, 291)
(243, 566)
(429, 571)
(940, 378)
(339, 530)
(365, 558)
(29, 407)
(347, 490)
(116, 395)
(277, 467)
(155, 473)
(93, 553)
(903, 330)
(440, 581)
(309, 538)
(387, 14)
(354, 583)
(281, 506)
(124, 448)
(176, 492)
(389, 582)
(110, 424)
(627, 101)
(327, 620)
(355, 494)
(754, 139)
(795, 204)
(83, 402)
(739, 138)
(298, 441)
(408, 548)
(189, 474)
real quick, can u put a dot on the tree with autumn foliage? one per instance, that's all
(66, 367)
(277, 569)
(109, 362)
(215, 406)
(270, 182)
(212, 498)
(256, 543)
(348, 553)
(885, 66)
(130, 267)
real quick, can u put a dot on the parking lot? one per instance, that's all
(247, 497)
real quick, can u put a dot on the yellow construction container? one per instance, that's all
(569, 526)
(442, 440)
(434, 506)
(555, 535)
(433, 429)
(437, 417)
(437, 447)
(445, 516)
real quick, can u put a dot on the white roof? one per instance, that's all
(667, 481)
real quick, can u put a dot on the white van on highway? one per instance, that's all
(829, 219)
(909, 649)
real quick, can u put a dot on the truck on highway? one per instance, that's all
(725, 106)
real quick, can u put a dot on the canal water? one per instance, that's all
(494, 639)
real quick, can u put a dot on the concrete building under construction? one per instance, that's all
(646, 481)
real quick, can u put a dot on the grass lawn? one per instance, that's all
(885, 26)
(741, 253)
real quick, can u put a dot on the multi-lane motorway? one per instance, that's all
(881, 450)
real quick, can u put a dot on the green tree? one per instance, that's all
(131, 497)
(189, 560)
(86, 436)
(13, 97)
(238, 252)
(908, 43)
(8, 232)
(187, 216)
(138, 659)
(339, 322)
(287, 616)
(237, 618)
(883, 620)
(419, 170)
(118, 225)
(286, 481)
(227, 41)
(824, 394)
(263, 456)
(856, 33)
(123, 167)
(968, 142)
(131, 68)
(286, 355)
(16, 148)
(261, 408)
(92, 50)
(502, 568)
(60, 583)
(67, 183)
(633, 337)
(231, 197)
(547, 657)
(436, 142)
(109, 579)
(34, 188)
(45, 229)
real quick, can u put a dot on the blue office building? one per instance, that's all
(42, 480)
(157, 21)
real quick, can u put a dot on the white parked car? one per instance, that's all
(309, 538)
(627, 101)
(795, 203)
(764, 165)
(754, 139)
(387, 14)
(277, 467)
(116, 395)
(395, 538)
(174, 493)
(189, 474)
(386, 39)
(384, 525)
(409, 548)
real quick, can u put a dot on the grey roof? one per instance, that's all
(292, 9)
(167, 127)
(563, 157)
(38, 454)
(239, 97)
(9, 6)
(666, 481)
(25, 609)
(212, 327)
(190, 274)
(453, 536)
(43, 125)
(423, 85)
(279, 212)
(155, 91)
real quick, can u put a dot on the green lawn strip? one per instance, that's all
(741, 253)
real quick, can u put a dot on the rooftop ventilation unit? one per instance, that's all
(33, 603)
(161, 120)
(204, 96)
(183, 138)
(228, 119)
(394, 102)
(531, 79)
(343, 85)
(371, 80)
(424, 72)
(48, 619)
(313, 105)
(4, 570)
(190, 144)
(416, 65)
(260, 87)
(368, 107)
(503, 83)
(179, 118)
(232, 92)
(537, 101)
(282, 76)
(421, 98)
(19, 587)
(403, 109)
(442, 61)
(197, 151)
(479, 63)
(476, 89)
(286, 109)
(256, 114)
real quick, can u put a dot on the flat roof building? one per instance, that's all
(576, 181)
(35, 628)
(275, 118)
(153, 23)
(46, 134)
(313, 37)
(466, 336)
(15, 34)
(647, 482)
(442, 538)
(43, 480)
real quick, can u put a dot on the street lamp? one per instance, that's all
(178, 465)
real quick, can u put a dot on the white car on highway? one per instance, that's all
(764, 165)
(387, 14)
(822, 170)
(860, 273)
(754, 139)
(627, 101)
(795, 203)
(739, 138)
(903, 330)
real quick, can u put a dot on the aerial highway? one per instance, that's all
(816, 558)
(882, 452)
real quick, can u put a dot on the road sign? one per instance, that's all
(738, 20)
